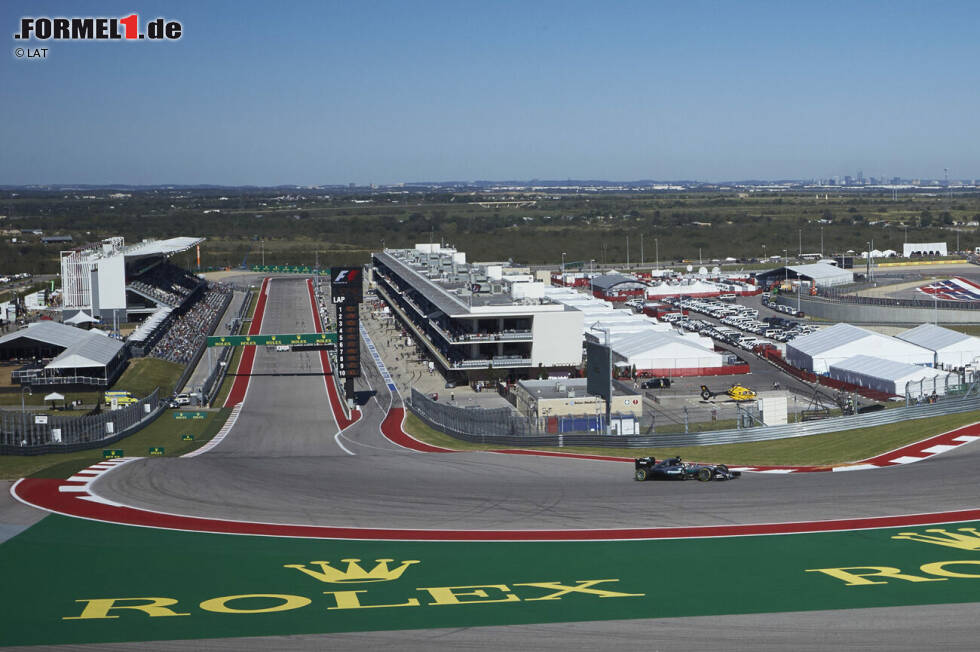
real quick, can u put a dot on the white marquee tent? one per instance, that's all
(662, 351)
(817, 351)
(891, 377)
(952, 349)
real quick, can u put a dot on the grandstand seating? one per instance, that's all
(188, 331)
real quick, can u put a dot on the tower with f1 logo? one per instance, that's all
(347, 291)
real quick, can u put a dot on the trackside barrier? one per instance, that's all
(494, 426)
(31, 433)
(212, 384)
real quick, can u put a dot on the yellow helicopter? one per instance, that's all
(735, 392)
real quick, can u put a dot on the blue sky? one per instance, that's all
(381, 92)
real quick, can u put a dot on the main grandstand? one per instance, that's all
(115, 283)
(112, 284)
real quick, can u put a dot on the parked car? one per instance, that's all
(656, 383)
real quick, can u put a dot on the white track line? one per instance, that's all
(220, 437)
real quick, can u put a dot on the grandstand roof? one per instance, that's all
(161, 247)
(150, 323)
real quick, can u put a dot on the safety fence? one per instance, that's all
(838, 295)
(212, 384)
(501, 427)
(34, 433)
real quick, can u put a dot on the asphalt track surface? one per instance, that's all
(286, 462)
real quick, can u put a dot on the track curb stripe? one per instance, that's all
(46, 494)
(244, 373)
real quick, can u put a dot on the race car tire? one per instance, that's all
(722, 469)
(641, 475)
(706, 395)
(704, 475)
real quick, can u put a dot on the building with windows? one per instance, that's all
(474, 318)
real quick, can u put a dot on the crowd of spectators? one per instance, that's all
(165, 283)
(188, 332)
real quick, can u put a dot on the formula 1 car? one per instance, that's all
(672, 468)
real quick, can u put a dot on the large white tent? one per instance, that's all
(817, 351)
(892, 377)
(638, 340)
(952, 348)
(664, 351)
(697, 288)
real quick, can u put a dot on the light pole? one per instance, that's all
(641, 250)
(591, 276)
(764, 255)
(868, 271)
(656, 243)
(563, 268)
(786, 264)
(23, 409)
(821, 242)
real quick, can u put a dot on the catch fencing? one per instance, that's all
(212, 384)
(34, 433)
(502, 427)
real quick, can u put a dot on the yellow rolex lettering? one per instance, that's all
(939, 568)
(289, 602)
(349, 600)
(100, 607)
(452, 594)
(856, 575)
(581, 586)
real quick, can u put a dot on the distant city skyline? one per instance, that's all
(323, 93)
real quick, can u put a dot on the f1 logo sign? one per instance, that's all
(346, 276)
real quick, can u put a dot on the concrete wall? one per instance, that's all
(854, 313)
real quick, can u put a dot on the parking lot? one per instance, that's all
(738, 324)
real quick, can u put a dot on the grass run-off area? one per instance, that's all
(165, 431)
(833, 448)
(143, 375)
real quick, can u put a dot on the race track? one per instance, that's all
(287, 461)
(284, 462)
